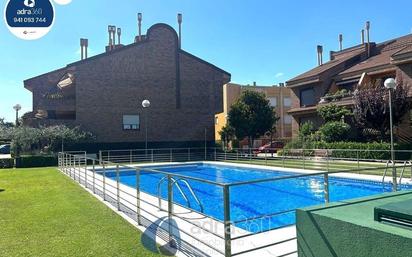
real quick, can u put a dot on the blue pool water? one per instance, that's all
(254, 200)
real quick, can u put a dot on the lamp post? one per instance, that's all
(146, 104)
(17, 108)
(390, 84)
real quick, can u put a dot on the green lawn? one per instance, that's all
(333, 165)
(43, 213)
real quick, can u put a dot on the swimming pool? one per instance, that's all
(273, 201)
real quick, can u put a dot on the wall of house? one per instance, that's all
(184, 92)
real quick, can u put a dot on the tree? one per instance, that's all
(371, 110)
(251, 116)
(27, 139)
(333, 112)
(227, 133)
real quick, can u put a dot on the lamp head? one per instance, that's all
(17, 107)
(390, 83)
(146, 103)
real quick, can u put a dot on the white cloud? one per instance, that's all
(279, 74)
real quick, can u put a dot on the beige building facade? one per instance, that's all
(279, 97)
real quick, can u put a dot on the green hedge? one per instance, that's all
(370, 150)
(6, 163)
(36, 161)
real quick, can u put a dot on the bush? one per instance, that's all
(6, 163)
(334, 131)
(36, 161)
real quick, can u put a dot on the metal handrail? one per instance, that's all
(403, 171)
(159, 191)
(386, 170)
(191, 192)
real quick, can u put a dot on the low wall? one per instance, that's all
(349, 230)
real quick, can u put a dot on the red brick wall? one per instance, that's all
(114, 84)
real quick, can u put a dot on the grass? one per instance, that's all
(333, 165)
(43, 213)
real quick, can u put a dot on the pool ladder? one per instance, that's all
(402, 173)
(175, 182)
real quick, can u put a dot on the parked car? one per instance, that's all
(4, 149)
(270, 147)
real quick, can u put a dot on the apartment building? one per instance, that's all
(279, 97)
(347, 70)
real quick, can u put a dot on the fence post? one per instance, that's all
(171, 155)
(104, 182)
(225, 154)
(357, 157)
(94, 177)
(266, 159)
(152, 155)
(70, 166)
(118, 186)
(326, 186)
(85, 172)
(327, 159)
(138, 197)
(250, 154)
(215, 154)
(188, 154)
(100, 157)
(79, 170)
(170, 207)
(227, 222)
(131, 157)
(283, 158)
(303, 158)
(205, 153)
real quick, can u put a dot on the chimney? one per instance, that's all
(119, 33)
(114, 36)
(179, 21)
(81, 48)
(109, 29)
(362, 36)
(139, 25)
(367, 27)
(320, 54)
(340, 42)
(86, 45)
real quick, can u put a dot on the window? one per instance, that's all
(287, 119)
(131, 122)
(273, 101)
(287, 102)
(216, 120)
(307, 97)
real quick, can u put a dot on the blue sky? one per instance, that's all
(257, 40)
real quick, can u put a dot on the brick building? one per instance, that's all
(103, 94)
(350, 69)
(278, 96)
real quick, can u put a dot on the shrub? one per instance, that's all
(6, 163)
(36, 161)
(333, 112)
(334, 131)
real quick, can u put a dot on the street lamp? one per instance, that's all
(17, 108)
(390, 84)
(146, 104)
